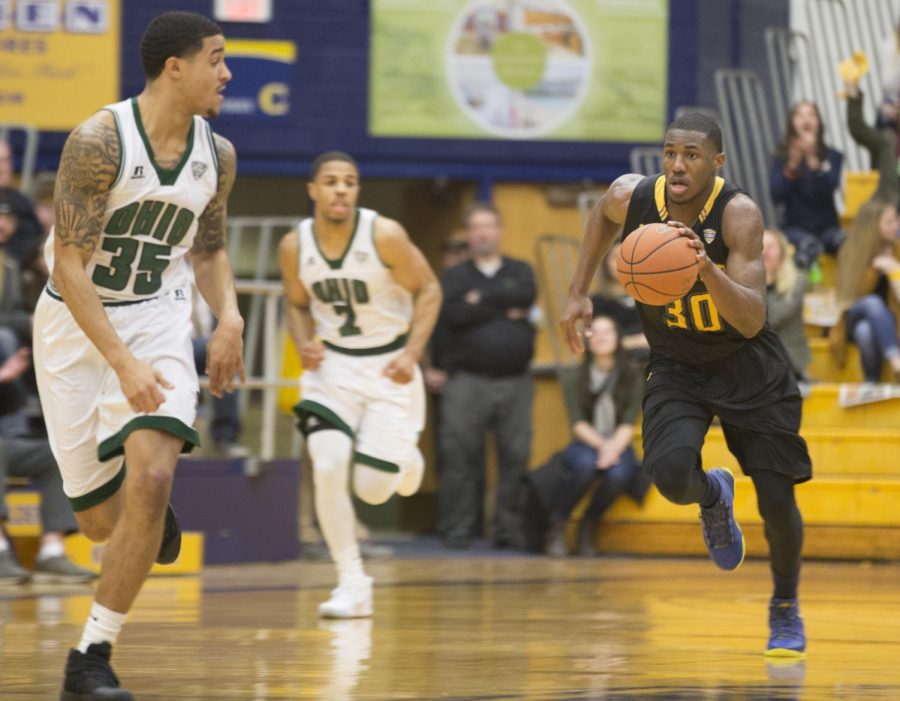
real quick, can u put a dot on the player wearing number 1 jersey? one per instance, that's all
(141, 184)
(362, 302)
(712, 355)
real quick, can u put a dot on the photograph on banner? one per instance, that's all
(579, 70)
(58, 61)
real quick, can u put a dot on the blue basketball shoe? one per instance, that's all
(786, 635)
(721, 533)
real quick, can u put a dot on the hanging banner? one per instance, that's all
(585, 70)
(59, 60)
(260, 86)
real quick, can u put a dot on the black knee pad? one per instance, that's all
(677, 475)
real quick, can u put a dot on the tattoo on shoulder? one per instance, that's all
(211, 225)
(88, 167)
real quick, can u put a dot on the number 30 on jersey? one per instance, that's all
(696, 312)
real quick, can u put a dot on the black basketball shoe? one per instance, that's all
(89, 676)
(171, 540)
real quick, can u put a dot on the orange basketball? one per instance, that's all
(656, 265)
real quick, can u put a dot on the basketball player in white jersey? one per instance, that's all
(141, 183)
(362, 302)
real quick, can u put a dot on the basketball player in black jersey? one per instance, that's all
(712, 354)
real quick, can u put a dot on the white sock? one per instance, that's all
(4, 544)
(51, 548)
(349, 563)
(103, 625)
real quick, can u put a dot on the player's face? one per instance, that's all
(205, 77)
(335, 191)
(888, 223)
(690, 163)
(604, 338)
(483, 232)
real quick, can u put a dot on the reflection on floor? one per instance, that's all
(474, 627)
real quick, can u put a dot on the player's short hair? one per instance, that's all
(178, 34)
(328, 157)
(698, 121)
(480, 206)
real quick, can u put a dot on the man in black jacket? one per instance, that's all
(489, 346)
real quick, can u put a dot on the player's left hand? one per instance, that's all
(401, 369)
(225, 356)
(703, 261)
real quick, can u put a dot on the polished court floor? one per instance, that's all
(475, 628)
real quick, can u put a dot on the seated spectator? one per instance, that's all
(889, 58)
(613, 301)
(605, 399)
(13, 314)
(28, 229)
(881, 143)
(21, 456)
(784, 299)
(34, 271)
(805, 174)
(868, 277)
(15, 324)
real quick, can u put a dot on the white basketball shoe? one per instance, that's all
(351, 599)
(411, 475)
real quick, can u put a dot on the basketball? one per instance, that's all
(656, 265)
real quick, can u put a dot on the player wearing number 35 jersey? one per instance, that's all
(141, 184)
(362, 302)
(712, 354)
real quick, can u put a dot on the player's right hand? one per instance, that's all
(312, 353)
(578, 308)
(141, 384)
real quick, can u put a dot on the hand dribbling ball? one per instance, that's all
(656, 265)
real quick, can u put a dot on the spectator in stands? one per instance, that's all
(28, 229)
(784, 299)
(22, 456)
(490, 343)
(881, 143)
(13, 314)
(805, 174)
(15, 322)
(613, 301)
(889, 111)
(868, 279)
(604, 398)
(35, 272)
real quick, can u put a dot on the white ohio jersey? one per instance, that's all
(151, 213)
(355, 301)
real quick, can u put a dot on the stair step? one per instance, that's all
(833, 542)
(822, 409)
(823, 368)
(835, 452)
(823, 501)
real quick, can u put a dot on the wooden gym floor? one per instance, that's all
(474, 628)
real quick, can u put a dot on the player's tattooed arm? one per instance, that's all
(87, 170)
(211, 225)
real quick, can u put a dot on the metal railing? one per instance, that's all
(747, 133)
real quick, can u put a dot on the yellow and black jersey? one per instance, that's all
(689, 329)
